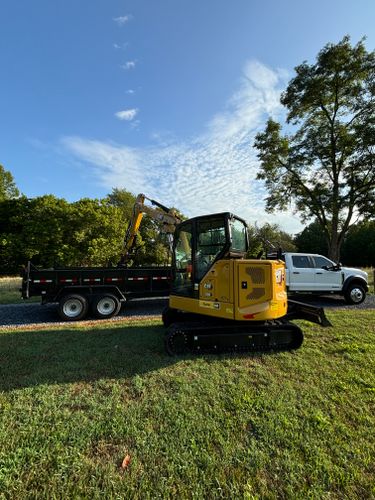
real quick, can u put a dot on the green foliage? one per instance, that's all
(359, 246)
(326, 164)
(51, 231)
(267, 237)
(152, 245)
(311, 240)
(8, 188)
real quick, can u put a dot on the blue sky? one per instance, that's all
(161, 97)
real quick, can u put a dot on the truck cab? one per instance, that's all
(318, 274)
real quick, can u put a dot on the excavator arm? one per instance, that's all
(158, 212)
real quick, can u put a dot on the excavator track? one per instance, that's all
(203, 337)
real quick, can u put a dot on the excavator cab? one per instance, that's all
(199, 243)
(220, 300)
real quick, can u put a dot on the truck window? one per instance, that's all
(320, 261)
(301, 261)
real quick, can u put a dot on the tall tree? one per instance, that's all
(8, 188)
(311, 240)
(326, 164)
(359, 245)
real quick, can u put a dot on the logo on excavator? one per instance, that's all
(279, 276)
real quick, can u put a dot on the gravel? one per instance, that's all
(333, 301)
(13, 315)
(36, 314)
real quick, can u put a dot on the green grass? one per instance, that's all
(371, 273)
(10, 291)
(75, 401)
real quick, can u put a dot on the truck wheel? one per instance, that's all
(106, 306)
(73, 307)
(355, 294)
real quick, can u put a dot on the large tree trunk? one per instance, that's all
(334, 247)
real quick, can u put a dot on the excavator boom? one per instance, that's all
(162, 214)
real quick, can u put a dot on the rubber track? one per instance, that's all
(202, 338)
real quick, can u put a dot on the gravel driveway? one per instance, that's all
(31, 313)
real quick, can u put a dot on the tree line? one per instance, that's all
(51, 232)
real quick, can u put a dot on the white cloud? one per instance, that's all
(214, 171)
(123, 46)
(128, 65)
(130, 91)
(121, 20)
(127, 114)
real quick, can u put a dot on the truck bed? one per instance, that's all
(132, 282)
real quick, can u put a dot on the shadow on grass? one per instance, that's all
(32, 358)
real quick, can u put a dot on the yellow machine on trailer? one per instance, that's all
(221, 301)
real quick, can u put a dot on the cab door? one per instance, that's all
(302, 274)
(183, 284)
(327, 279)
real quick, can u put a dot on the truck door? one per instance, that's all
(302, 274)
(326, 280)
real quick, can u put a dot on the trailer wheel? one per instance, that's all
(106, 306)
(73, 307)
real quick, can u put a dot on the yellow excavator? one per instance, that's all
(221, 301)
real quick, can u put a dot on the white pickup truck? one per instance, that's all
(317, 274)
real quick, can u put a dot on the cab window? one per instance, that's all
(211, 240)
(320, 261)
(301, 261)
(182, 283)
(238, 232)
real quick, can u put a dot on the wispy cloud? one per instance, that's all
(127, 114)
(121, 20)
(130, 91)
(121, 46)
(209, 172)
(128, 65)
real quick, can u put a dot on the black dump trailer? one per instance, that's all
(98, 291)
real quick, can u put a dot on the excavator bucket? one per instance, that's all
(300, 310)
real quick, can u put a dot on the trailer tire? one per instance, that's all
(105, 306)
(73, 307)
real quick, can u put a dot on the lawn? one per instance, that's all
(10, 291)
(99, 410)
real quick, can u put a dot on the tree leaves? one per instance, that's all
(327, 166)
(8, 188)
(89, 232)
